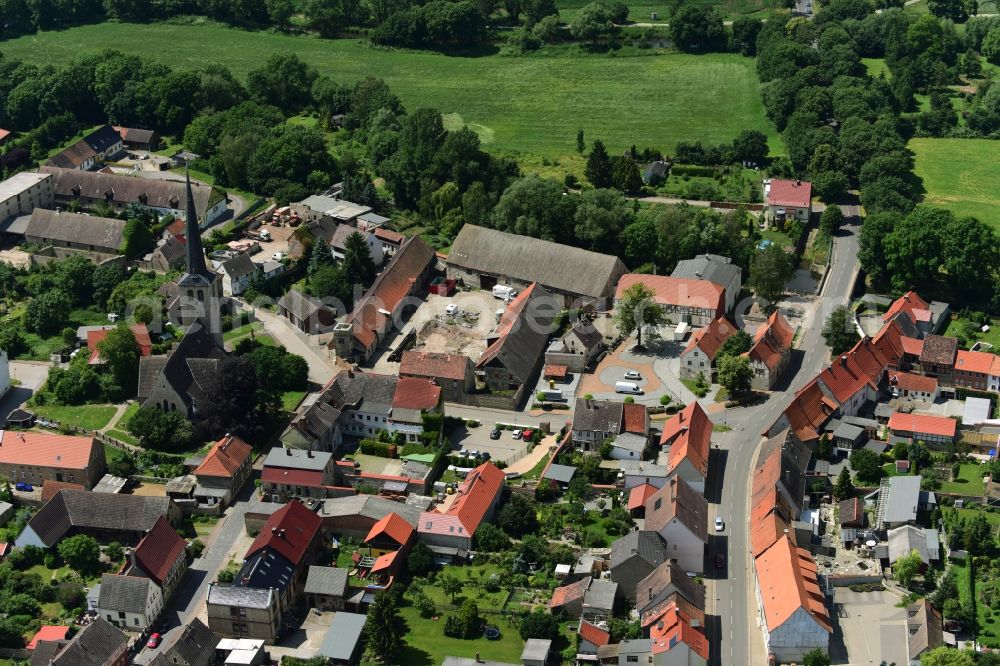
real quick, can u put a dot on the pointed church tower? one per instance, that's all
(200, 289)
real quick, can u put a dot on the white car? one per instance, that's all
(719, 524)
(452, 309)
(278, 256)
(515, 434)
(633, 374)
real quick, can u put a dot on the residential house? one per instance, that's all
(326, 588)
(635, 556)
(698, 357)
(666, 581)
(390, 534)
(923, 629)
(414, 398)
(641, 472)
(900, 499)
(385, 304)
(907, 539)
(169, 255)
(596, 421)
(973, 369)
(23, 192)
(679, 514)
(926, 317)
(130, 602)
(788, 199)
(37, 457)
(139, 139)
(515, 349)
(678, 639)
(694, 302)
(806, 415)
(100, 643)
(236, 274)
(391, 240)
(482, 258)
(96, 335)
(715, 269)
(330, 209)
(74, 231)
(224, 470)
(90, 151)
(847, 437)
(577, 348)
(770, 352)
(687, 439)
(452, 372)
(853, 379)
(916, 387)
(338, 243)
(307, 313)
(297, 473)
(193, 645)
(590, 638)
(628, 446)
(243, 612)
(777, 489)
(937, 357)
(477, 498)
(161, 556)
(269, 268)
(354, 517)
(793, 615)
(117, 191)
(935, 431)
(344, 640)
(177, 382)
(105, 516)
(851, 512)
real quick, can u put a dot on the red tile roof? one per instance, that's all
(393, 526)
(808, 411)
(851, 512)
(635, 418)
(791, 193)
(680, 292)
(786, 576)
(50, 488)
(923, 424)
(911, 382)
(385, 561)
(416, 393)
(292, 477)
(296, 527)
(177, 228)
(974, 361)
(710, 338)
(224, 458)
(48, 632)
(564, 594)
(772, 341)
(389, 235)
(689, 435)
(891, 342)
(677, 599)
(159, 550)
(593, 634)
(43, 449)
(555, 372)
(913, 346)
(477, 494)
(139, 332)
(907, 303)
(852, 372)
(434, 365)
(4, 133)
(637, 496)
(672, 627)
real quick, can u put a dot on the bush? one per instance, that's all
(693, 170)
(27, 557)
(372, 447)
(424, 605)
(665, 399)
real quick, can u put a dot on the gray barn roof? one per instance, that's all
(126, 594)
(711, 267)
(899, 500)
(97, 644)
(341, 640)
(101, 511)
(101, 232)
(563, 268)
(560, 473)
(329, 581)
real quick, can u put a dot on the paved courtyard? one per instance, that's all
(659, 365)
(478, 439)
(868, 628)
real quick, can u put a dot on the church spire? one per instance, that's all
(196, 266)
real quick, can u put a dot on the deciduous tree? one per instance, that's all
(636, 310)
(735, 375)
(770, 269)
(839, 331)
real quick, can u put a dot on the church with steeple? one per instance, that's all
(199, 290)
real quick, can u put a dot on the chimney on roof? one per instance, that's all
(673, 488)
(288, 452)
(309, 453)
(843, 360)
(274, 530)
(798, 182)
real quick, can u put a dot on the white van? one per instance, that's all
(628, 387)
(504, 292)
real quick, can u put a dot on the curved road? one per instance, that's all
(733, 631)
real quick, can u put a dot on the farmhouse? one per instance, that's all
(138, 139)
(99, 643)
(686, 439)
(698, 357)
(770, 352)
(75, 231)
(36, 457)
(296, 473)
(694, 302)
(22, 192)
(932, 430)
(355, 516)
(129, 602)
(635, 556)
(452, 372)
(478, 496)
(236, 274)
(305, 312)
(789, 199)
(718, 270)
(161, 556)
(482, 258)
(910, 385)
(222, 473)
(90, 151)
(595, 421)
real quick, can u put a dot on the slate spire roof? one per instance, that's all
(196, 273)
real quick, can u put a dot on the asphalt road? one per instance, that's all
(733, 630)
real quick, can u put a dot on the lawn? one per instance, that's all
(969, 481)
(959, 174)
(291, 399)
(241, 332)
(127, 415)
(992, 517)
(992, 336)
(86, 417)
(531, 104)
(875, 66)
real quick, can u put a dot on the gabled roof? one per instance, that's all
(644, 544)
(476, 495)
(435, 365)
(159, 550)
(194, 646)
(598, 415)
(416, 393)
(939, 350)
(677, 500)
(50, 488)
(44, 449)
(906, 303)
(772, 341)
(565, 594)
(786, 577)
(636, 418)
(689, 435)
(127, 594)
(913, 346)
(178, 368)
(289, 531)
(666, 575)
(98, 644)
(909, 381)
(712, 267)
(808, 411)
(593, 634)
(853, 371)
(923, 424)
(792, 193)
(99, 511)
(560, 267)
(975, 361)
(239, 266)
(224, 458)
(923, 626)
(522, 334)
(330, 581)
(387, 235)
(394, 527)
(678, 292)
(709, 339)
(103, 233)
(638, 495)
(851, 512)
(302, 305)
(139, 332)
(48, 632)
(674, 626)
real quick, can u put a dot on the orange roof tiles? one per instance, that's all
(689, 435)
(852, 372)
(772, 341)
(43, 449)
(139, 332)
(679, 292)
(786, 576)
(709, 339)
(637, 496)
(974, 361)
(791, 193)
(416, 393)
(159, 550)
(295, 528)
(913, 346)
(635, 419)
(907, 303)
(385, 561)
(434, 364)
(389, 235)
(923, 424)
(393, 526)
(224, 458)
(477, 494)
(593, 634)
(808, 411)
(564, 594)
(48, 632)
(912, 382)
(673, 626)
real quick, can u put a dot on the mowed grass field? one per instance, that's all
(960, 175)
(531, 104)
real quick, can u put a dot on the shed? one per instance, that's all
(561, 474)
(536, 652)
(342, 642)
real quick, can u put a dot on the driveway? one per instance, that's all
(31, 375)
(868, 628)
(321, 370)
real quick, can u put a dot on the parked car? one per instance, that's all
(154, 641)
(633, 374)
(719, 524)
(516, 434)
(452, 309)
(720, 561)
(23, 487)
(527, 435)
(495, 433)
(278, 256)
